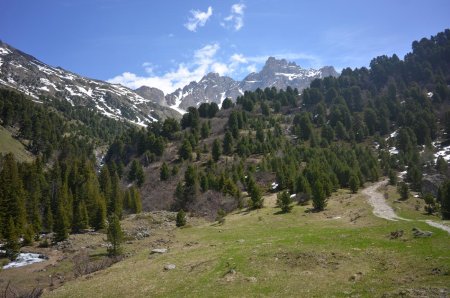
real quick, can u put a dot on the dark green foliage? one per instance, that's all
(403, 190)
(114, 236)
(319, 196)
(392, 177)
(181, 218)
(164, 172)
(228, 143)
(191, 119)
(257, 201)
(441, 165)
(185, 151)
(12, 196)
(284, 201)
(430, 206)
(61, 225)
(354, 183)
(12, 245)
(216, 150)
(205, 130)
(444, 198)
(227, 104)
(208, 110)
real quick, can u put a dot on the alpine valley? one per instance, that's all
(290, 183)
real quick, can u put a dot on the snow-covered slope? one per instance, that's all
(211, 88)
(281, 74)
(35, 78)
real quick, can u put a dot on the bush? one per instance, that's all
(181, 218)
(284, 201)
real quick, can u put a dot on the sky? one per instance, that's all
(167, 44)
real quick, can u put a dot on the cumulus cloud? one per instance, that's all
(236, 18)
(198, 18)
(203, 62)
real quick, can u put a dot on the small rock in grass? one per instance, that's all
(169, 267)
(419, 233)
(158, 251)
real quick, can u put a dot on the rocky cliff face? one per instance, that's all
(277, 73)
(27, 74)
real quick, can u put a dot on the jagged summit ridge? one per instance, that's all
(278, 73)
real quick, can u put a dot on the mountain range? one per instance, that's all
(27, 74)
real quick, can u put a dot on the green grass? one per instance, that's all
(295, 254)
(9, 144)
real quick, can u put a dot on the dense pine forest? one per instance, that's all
(338, 133)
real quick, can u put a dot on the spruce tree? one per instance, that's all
(228, 143)
(181, 218)
(319, 196)
(114, 235)
(164, 173)
(61, 226)
(12, 195)
(216, 150)
(140, 177)
(12, 245)
(284, 201)
(403, 190)
(354, 183)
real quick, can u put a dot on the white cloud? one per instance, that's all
(251, 68)
(198, 19)
(149, 67)
(236, 18)
(204, 61)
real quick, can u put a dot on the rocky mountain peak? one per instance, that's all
(34, 78)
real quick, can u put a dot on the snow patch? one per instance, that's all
(274, 185)
(4, 51)
(25, 259)
(177, 104)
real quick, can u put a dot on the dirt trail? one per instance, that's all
(380, 207)
(383, 210)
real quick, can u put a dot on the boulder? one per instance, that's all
(169, 267)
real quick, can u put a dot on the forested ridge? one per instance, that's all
(338, 133)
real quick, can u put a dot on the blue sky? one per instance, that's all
(167, 44)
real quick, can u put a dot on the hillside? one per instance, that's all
(344, 251)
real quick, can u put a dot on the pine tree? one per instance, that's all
(100, 216)
(12, 240)
(115, 203)
(403, 190)
(257, 201)
(185, 151)
(319, 196)
(114, 235)
(132, 174)
(164, 173)
(284, 202)
(135, 199)
(354, 183)
(61, 226)
(140, 177)
(228, 143)
(12, 195)
(216, 150)
(181, 218)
